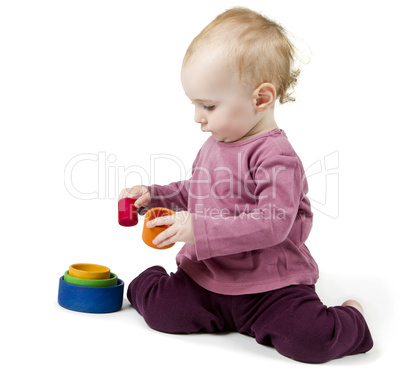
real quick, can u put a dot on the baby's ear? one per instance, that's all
(264, 96)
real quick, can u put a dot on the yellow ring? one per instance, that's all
(89, 271)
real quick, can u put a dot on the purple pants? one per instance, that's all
(292, 319)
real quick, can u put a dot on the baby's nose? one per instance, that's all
(199, 118)
(198, 115)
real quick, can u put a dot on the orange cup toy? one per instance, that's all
(149, 234)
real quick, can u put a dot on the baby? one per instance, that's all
(244, 215)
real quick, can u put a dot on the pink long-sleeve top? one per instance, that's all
(251, 216)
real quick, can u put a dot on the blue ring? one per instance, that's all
(91, 299)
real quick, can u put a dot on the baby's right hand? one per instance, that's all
(141, 193)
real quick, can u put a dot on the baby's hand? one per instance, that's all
(141, 193)
(180, 230)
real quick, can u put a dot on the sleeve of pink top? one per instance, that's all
(267, 223)
(173, 196)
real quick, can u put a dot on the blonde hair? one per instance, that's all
(257, 45)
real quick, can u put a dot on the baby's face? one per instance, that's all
(223, 105)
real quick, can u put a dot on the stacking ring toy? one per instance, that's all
(128, 215)
(112, 281)
(149, 234)
(90, 299)
(89, 271)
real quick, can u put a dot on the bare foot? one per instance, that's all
(354, 304)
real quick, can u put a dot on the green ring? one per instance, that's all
(108, 282)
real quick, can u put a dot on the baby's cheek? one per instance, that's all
(240, 112)
(221, 121)
(229, 127)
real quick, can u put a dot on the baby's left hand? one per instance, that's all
(180, 230)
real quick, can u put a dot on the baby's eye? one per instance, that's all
(209, 108)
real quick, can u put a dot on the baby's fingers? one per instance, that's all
(134, 192)
(143, 200)
(162, 221)
(124, 194)
(165, 238)
(140, 193)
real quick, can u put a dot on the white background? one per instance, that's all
(101, 80)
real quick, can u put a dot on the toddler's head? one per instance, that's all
(256, 46)
(233, 72)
